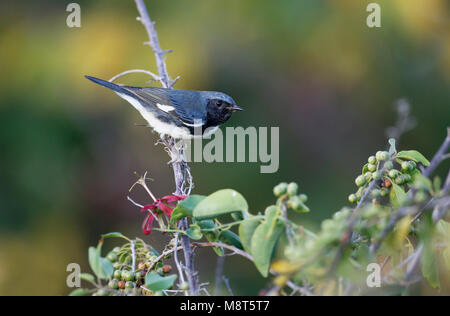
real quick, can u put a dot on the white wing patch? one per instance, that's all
(165, 108)
(158, 125)
(197, 124)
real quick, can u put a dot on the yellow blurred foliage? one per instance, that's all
(35, 263)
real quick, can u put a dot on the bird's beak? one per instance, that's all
(235, 108)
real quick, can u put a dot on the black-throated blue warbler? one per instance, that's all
(177, 113)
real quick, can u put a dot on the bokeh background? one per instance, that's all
(68, 148)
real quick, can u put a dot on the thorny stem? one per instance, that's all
(180, 167)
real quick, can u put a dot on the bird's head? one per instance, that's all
(219, 107)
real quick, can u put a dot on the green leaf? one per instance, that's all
(107, 268)
(397, 196)
(94, 261)
(194, 232)
(421, 182)
(414, 156)
(230, 238)
(246, 230)
(185, 208)
(155, 282)
(263, 244)
(102, 268)
(81, 292)
(443, 229)
(115, 235)
(429, 256)
(87, 277)
(220, 203)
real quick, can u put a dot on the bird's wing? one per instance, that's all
(183, 105)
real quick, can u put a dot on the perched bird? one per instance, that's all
(181, 114)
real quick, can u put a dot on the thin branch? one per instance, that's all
(438, 157)
(154, 43)
(177, 262)
(151, 74)
(219, 275)
(133, 256)
(227, 284)
(173, 250)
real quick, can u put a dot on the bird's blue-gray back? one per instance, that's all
(188, 105)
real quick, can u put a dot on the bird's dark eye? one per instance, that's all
(219, 102)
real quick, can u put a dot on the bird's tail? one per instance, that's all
(108, 84)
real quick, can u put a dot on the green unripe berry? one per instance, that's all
(372, 160)
(303, 198)
(280, 189)
(408, 166)
(129, 285)
(405, 166)
(388, 165)
(116, 265)
(359, 193)
(292, 189)
(139, 275)
(382, 155)
(360, 181)
(116, 250)
(393, 174)
(407, 178)
(384, 192)
(184, 286)
(113, 284)
(400, 180)
(128, 275)
(371, 167)
(368, 176)
(376, 193)
(112, 257)
(352, 198)
(377, 175)
(117, 274)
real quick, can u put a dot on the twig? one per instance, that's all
(133, 256)
(177, 262)
(151, 74)
(438, 157)
(219, 275)
(154, 43)
(173, 250)
(227, 284)
(405, 122)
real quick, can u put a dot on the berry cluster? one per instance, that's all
(128, 279)
(288, 194)
(386, 170)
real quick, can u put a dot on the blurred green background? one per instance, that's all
(68, 148)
